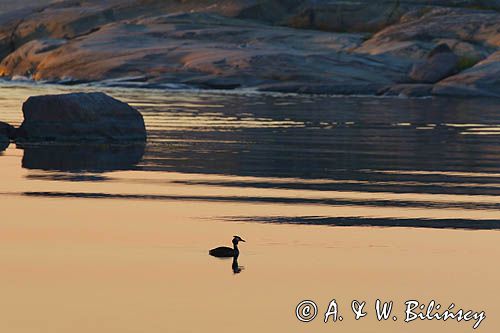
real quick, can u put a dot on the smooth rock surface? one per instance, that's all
(482, 80)
(420, 30)
(80, 117)
(206, 51)
(341, 47)
(407, 90)
(440, 63)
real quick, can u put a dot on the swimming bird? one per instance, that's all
(227, 252)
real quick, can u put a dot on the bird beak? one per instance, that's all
(241, 239)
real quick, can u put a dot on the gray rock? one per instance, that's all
(34, 50)
(214, 82)
(420, 30)
(351, 88)
(7, 132)
(440, 63)
(205, 50)
(341, 16)
(482, 80)
(227, 44)
(408, 90)
(80, 117)
(18, 4)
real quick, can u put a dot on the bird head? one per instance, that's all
(237, 239)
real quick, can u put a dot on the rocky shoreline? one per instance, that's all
(384, 47)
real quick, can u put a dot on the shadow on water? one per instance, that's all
(466, 224)
(394, 184)
(271, 200)
(439, 223)
(82, 157)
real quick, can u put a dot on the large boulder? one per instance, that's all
(440, 63)
(80, 117)
(7, 132)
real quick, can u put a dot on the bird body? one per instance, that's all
(227, 252)
(224, 251)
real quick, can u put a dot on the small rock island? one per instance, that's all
(76, 118)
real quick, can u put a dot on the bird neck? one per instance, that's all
(236, 252)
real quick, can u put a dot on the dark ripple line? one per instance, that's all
(392, 188)
(359, 221)
(329, 202)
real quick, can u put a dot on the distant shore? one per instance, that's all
(292, 46)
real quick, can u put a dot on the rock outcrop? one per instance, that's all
(205, 51)
(7, 132)
(407, 90)
(482, 80)
(80, 117)
(469, 33)
(440, 63)
(341, 47)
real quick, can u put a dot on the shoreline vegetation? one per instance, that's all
(391, 47)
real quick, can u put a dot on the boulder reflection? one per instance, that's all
(83, 157)
(236, 267)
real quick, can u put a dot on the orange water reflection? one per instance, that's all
(103, 250)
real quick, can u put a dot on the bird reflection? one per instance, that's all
(236, 267)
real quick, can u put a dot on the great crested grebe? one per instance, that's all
(227, 252)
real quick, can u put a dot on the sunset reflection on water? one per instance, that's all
(345, 198)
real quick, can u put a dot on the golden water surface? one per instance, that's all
(124, 248)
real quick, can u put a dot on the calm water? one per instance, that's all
(425, 162)
(115, 239)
